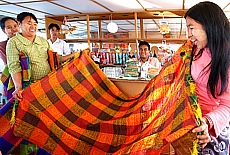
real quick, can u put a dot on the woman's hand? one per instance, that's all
(17, 94)
(204, 137)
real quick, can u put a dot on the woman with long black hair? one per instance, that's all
(208, 28)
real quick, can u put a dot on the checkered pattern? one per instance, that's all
(78, 110)
(7, 140)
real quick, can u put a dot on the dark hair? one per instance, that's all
(217, 28)
(4, 19)
(23, 15)
(144, 43)
(53, 25)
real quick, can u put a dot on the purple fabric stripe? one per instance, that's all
(24, 63)
(5, 108)
(9, 93)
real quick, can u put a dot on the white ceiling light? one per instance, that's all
(112, 26)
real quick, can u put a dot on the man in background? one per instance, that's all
(10, 27)
(149, 65)
(58, 45)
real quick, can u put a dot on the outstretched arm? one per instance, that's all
(66, 57)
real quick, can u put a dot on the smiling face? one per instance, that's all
(29, 28)
(11, 28)
(144, 52)
(196, 33)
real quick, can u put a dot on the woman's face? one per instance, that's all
(11, 28)
(29, 27)
(196, 33)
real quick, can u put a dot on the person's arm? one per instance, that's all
(17, 79)
(13, 63)
(155, 63)
(215, 121)
(219, 116)
(66, 57)
(155, 66)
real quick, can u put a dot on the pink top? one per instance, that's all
(3, 51)
(217, 109)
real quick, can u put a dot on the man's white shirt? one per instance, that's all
(60, 46)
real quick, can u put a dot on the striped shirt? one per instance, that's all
(36, 51)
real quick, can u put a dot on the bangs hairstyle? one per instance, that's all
(23, 15)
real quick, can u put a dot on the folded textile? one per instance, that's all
(78, 110)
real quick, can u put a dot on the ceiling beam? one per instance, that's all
(29, 8)
(52, 2)
(141, 5)
(8, 12)
(226, 6)
(156, 23)
(24, 2)
(118, 15)
(101, 5)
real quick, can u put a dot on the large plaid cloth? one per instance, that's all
(7, 140)
(78, 110)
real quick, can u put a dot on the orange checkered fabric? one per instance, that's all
(78, 110)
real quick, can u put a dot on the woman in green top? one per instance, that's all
(35, 47)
